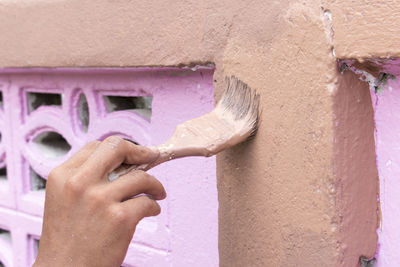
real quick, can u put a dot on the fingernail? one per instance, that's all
(160, 197)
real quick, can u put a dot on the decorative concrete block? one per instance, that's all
(46, 115)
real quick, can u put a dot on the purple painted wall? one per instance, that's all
(186, 232)
(387, 138)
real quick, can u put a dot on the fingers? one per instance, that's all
(113, 151)
(135, 183)
(81, 156)
(140, 207)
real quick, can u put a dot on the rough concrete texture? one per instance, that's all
(279, 194)
(365, 28)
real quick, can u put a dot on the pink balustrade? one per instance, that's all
(46, 115)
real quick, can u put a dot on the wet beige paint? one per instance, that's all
(287, 198)
(355, 168)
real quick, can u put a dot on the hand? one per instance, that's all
(88, 220)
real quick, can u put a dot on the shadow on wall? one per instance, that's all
(356, 183)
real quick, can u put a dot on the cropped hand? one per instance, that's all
(88, 220)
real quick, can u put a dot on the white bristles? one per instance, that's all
(242, 103)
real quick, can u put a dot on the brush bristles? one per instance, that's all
(242, 102)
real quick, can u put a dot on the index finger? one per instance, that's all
(114, 151)
(81, 156)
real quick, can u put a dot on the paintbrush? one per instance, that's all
(234, 119)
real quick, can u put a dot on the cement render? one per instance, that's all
(279, 194)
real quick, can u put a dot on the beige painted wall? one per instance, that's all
(281, 195)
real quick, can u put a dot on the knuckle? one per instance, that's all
(74, 186)
(141, 150)
(96, 197)
(141, 176)
(145, 207)
(118, 145)
(113, 140)
(145, 153)
(155, 184)
(118, 215)
(84, 172)
(151, 184)
(55, 174)
(93, 144)
(147, 181)
(140, 153)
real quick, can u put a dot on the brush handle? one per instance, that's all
(197, 137)
(168, 151)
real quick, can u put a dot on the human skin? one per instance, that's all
(88, 220)
(283, 196)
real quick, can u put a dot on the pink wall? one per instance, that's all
(387, 138)
(186, 232)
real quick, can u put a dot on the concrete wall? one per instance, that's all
(283, 197)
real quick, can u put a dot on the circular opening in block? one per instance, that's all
(51, 145)
(83, 112)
